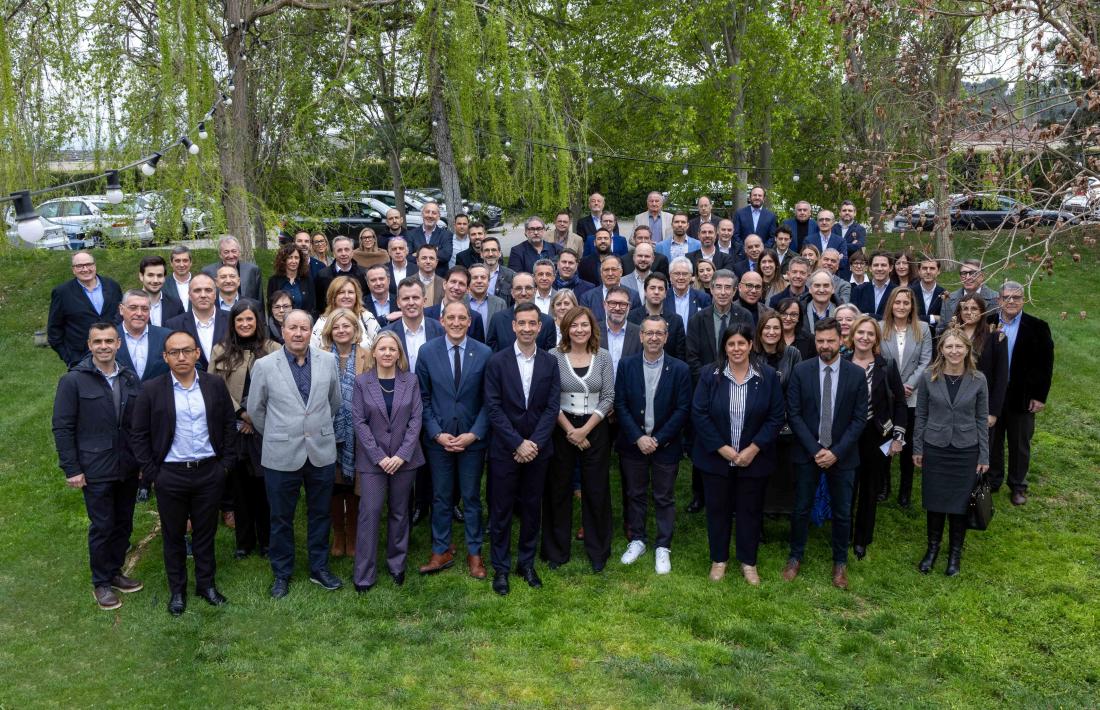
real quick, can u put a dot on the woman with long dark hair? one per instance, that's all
(292, 277)
(790, 312)
(989, 343)
(232, 359)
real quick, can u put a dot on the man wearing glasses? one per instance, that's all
(74, 305)
(973, 281)
(184, 440)
(825, 239)
(524, 255)
(501, 335)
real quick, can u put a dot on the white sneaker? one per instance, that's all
(663, 566)
(633, 551)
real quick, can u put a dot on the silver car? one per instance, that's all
(97, 222)
(196, 219)
(54, 235)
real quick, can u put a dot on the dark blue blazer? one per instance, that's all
(710, 415)
(792, 224)
(71, 314)
(863, 298)
(523, 256)
(432, 329)
(587, 225)
(441, 240)
(765, 228)
(937, 305)
(476, 329)
(170, 303)
(501, 336)
(186, 322)
(619, 245)
(578, 286)
(593, 300)
(447, 410)
(671, 407)
(697, 301)
(676, 345)
(773, 302)
(154, 361)
(512, 419)
(856, 239)
(834, 242)
(849, 412)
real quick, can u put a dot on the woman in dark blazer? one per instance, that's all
(770, 348)
(736, 469)
(386, 413)
(887, 419)
(292, 276)
(950, 443)
(794, 335)
(989, 344)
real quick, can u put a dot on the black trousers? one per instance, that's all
(252, 512)
(1015, 429)
(727, 493)
(189, 494)
(638, 472)
(872, 467)
(110, 506)
(557, 500)
(905, 463)
(515, 488)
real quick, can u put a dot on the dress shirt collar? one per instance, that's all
(176, 384)
(655, 364)
(519, 353)
(728, 374)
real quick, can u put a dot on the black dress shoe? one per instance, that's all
(695, 505)
(459, 516)
(177, 603)
(530, 576)
(143, 495)
(500, 583)
(326, 579)
(280, 587)
(398, 577)
(860, 550)
(904, 502)
(212, 596)
(264, 550)
(363, 588)
(240, 554)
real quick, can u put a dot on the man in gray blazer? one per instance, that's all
(294, 396)
(842, 288)
(482, 303)
(229, 251)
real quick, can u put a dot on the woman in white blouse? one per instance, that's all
(907, 341)
(587, 398)
(344, 292)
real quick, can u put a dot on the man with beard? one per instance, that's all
(568, 263)
(708, 250)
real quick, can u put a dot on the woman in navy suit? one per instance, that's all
(386, 413)
(738, 412)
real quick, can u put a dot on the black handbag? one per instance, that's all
(980, 510)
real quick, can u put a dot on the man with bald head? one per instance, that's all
(708, 247)
(706, 216)
(204, 321)
(229, 253)
(725, 242)
(642, 235)
(74, 305)
(656, 218)
(801, 226)
(753, 247)
(643, 266)
(824, 239)
(395, 227)
(501, 336)
(750, 289)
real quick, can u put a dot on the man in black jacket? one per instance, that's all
(91, 429)
(184, 439)
(76, 304)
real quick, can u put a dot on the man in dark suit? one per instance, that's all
(589, 268)
(654, 303)
(522, 395)
(398, 268)
(500, 276)
(848, 229)
(567, 276)
(1030, 370)
(185, 439)
(706, 216)
(801, 227)
(179, 283)
(434, 233)
(871, 296)
(611, 275)
(229, 251)
(708, 251)
(619, 245)
(205, 322)
(395, 227)
(142, 343)
(451, 371)
(703, 331)
(749, 290)
(798, 273)
(682, 298)
(482, 303)
(523, 256)
(930, 295)
(588, 224)
(163, 304)
(824, 240)
(618, 336)
(753, 247)
(827, 410)
(378, 299)
(502, 335)
(754, 218)
(651, 419)
(342, 265)
(471, 256)
(659, 262)
(76, 304)
(91, 429)
(454, 291)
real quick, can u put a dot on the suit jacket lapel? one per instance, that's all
(284, 369)
(400, 384)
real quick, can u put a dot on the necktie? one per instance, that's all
(458, 367)
(116, 395)
(722, 331)
(825, 427)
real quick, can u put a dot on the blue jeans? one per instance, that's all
(468, 466)
(283, 488)
(841, 483)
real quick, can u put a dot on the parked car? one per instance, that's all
(340, 215)
(981, 210)
(1084, 199)
(196, 219)
(97, 222)
(54, 235)
(489, 215)
(413, 205)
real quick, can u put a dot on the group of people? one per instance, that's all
(393, 387)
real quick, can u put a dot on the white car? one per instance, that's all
(1083, 199)
(54, 235)
(97, 222)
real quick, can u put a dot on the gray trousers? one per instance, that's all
(376, 489)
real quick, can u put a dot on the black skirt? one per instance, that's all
(947, 477)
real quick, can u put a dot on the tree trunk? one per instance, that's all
(948, 82)
(393, 157)
(441, 134)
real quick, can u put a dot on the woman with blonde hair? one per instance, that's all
(368, 254)
(907, 341)
(344, 292)
(950, 443)
(811, 254)
(341, 335)
(561, 303)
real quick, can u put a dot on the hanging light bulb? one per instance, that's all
(30, 225)
(588, 160)
(507, 143)
(684, 171)
(435, 122)
(227, 99)
(114, 187)
(203, 135)
(796, 177)
(191, 147)
(150, 165)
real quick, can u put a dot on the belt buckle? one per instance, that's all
(191, 464)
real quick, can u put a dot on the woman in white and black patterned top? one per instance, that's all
(587, 398)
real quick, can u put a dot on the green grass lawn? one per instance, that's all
(1020, 626)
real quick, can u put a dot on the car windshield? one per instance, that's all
(127, 208)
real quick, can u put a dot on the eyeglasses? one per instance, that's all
(523, 289)
(967, 274)
(789, 316)
(616, 304)
(654, 333)
(281, 307)
(185, 352)
(1012, 299)
(751, 287)
(536, 229)
(84, 266)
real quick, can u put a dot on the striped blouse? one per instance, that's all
(596, 388)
